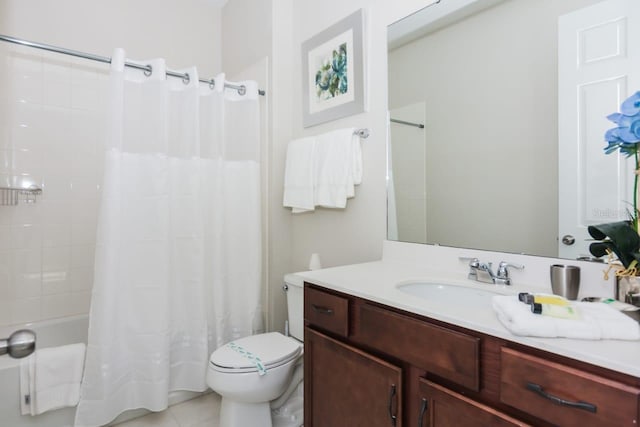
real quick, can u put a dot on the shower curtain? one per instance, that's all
(178, 262)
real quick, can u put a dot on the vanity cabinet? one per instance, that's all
(368, 364)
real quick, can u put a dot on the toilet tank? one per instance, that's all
(295, 305)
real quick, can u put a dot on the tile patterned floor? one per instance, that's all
(199, 412)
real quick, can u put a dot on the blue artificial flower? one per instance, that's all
(631, 105)
(626, 136)
(615, 117)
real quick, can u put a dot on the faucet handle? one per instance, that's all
(473, 261)
(503, 271)
(474, 264)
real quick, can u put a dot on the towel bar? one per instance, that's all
(362, 133)
(20, 344)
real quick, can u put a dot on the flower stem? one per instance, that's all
(635, 192)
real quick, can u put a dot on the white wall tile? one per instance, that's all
(5, 312)
(57, 82)
(25, 79)
(27, 237)
(80, 302)
(25, 310)
(6, 162)
(56, 235)
(82, 256)
(6, 239)
(26, 284)
(26, 125)
(56, 259)
(56, 282)
(54, 306)
(81, 279)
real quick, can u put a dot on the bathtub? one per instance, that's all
(51, 333)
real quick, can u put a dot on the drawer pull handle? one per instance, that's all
(423, 410)
(392, 414)
(322, 310)
(555, 399)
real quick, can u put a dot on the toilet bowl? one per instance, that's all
(254, 372)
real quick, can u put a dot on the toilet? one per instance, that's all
(258, 373)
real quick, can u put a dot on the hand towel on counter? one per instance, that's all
(298, 175)
(337, 167)
(50, 378)
(597, 321)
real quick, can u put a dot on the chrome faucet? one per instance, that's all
(483, 272)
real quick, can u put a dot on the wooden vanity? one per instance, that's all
(369, 364)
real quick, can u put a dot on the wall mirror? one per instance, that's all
(483, 79)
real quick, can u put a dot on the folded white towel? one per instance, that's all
(50, 378)
(597, 321)
(337, 167)
(322, 170)
(298, 175)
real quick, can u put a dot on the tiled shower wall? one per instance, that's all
(51, 135)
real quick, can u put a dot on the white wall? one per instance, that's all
(339, 236)
(185, 33)
(252, 31)
(354, 234)
(50, 127)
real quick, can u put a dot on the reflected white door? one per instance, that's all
(598, 67)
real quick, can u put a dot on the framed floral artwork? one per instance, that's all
(333, 72)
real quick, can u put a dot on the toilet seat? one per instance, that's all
(273, 349)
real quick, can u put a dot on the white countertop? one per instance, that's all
(376, 281)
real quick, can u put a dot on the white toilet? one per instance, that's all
(254, 373)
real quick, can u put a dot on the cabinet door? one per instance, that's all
(442, 407)
(346, 387)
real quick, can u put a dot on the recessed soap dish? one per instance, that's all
(10, 196)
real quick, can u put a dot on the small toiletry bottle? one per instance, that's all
(553, 310)
(528, 298)
(550, 299)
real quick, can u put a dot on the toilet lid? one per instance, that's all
(270, 349)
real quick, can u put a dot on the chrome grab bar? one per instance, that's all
(20, 344)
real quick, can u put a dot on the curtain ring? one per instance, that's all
(212, 84)
(148, 71)
(242, 90)
(186, 79)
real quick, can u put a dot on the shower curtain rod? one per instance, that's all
(402, 122)
(105, 59)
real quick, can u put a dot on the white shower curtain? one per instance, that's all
(177, 266)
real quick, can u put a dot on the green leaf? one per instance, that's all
(619, 237)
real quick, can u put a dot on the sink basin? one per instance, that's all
(448, 293)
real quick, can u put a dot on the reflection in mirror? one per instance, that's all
(483, 172)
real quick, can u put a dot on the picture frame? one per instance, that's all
(333, 72)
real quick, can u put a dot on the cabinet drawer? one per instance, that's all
(563, 395)
(326, 311)
(446, 407)
(449, 354)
